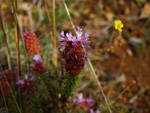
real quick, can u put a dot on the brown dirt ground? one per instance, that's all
(135, 68)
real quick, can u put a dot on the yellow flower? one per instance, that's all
(118, 25)
(59, 95)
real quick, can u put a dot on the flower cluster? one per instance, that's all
(32, 44)
(38, 66)
(74, 53)
(26, 84)
(83, 103)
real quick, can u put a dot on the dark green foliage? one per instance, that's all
(12, 105)
(70, 85)
(35, 104)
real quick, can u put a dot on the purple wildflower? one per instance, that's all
(69, 36)
(1, 77)
(15, 68)
(74, 53)
(79, 33)
(63, 38)
(20, 81)
(80, 99)
(37, 58)
(91, 111)
(89, 101)
(74, 39)
(26, 84)
(98, 111)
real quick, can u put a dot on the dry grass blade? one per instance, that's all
(91, 66)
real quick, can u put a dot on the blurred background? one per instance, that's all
(117, 60)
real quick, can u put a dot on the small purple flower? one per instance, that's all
(73, 39)
(85, 39)
(29, 76)
(91, 111)
(61, 47)
(98, 111)
(32, 76)
(63, 38)
(89, 101)
(69, 36)
(20, 81)
(15, 68)
(80, 99)
(37, 58)
(1, 77)
(22, 31)
(79, 33)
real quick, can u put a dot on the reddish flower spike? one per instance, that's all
(31, 43)
(39, 68)
(75, 58)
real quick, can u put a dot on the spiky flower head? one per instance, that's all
(74, 53)
(32, 43)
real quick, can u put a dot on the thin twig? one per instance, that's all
(91, 66)
(69, 15)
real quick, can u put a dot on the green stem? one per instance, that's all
(54, 31)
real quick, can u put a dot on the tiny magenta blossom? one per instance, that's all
(31, 43)
(118, 25)
(74, 53)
